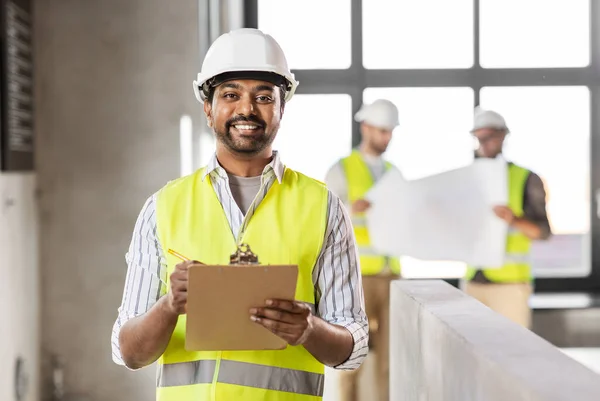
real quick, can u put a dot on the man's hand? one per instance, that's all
(177, 296)
(360, 206)
(505, 214)
(145, 338)
(290, 320)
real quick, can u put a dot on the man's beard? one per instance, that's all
(248, 145)
(379, 148)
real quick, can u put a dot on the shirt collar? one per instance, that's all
(275, 165)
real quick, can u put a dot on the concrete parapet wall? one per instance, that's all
(446, 346)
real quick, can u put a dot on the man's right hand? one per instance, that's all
(177, 296)
(145, 338)
(360, 206)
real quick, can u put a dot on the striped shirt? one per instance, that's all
(336, 277)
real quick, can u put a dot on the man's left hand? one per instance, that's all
(290, 320)
(505, 213)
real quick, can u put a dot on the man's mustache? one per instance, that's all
(240, 119)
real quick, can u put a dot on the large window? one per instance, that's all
(314, 33)
(315, 132)
(535, 33)
(407, 34)
(533, 61)
(433, 135)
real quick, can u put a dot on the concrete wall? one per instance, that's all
(19, 284)
(453, 348)
(113, 79)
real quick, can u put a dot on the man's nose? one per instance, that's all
(245, 106)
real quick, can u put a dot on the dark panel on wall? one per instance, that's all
(17, 128)
(568, 328)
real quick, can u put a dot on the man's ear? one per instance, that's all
(208, 112)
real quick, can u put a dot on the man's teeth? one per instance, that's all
(246, 127)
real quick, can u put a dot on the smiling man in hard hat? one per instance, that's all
(245, 194)
(350, 179)
(507, 289)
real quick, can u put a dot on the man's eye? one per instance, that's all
(264, 98)
(229, 95)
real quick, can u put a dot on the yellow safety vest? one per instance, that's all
(288, 227)
(517, 268)
(360, 180)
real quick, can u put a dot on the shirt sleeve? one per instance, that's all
(534, 204)
(145, 281)
(337, 183)
(338, 283)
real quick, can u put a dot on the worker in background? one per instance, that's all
(245, 194)
(351, 178)
(507, 289)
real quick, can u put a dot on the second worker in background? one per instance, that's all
(507, 289)
(351, 178)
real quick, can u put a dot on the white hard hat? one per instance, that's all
(381, 114)
(488, 119)
(244, 50)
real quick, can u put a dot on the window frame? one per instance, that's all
(354, 80)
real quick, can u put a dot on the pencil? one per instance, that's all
(178, 255)
(181, 257)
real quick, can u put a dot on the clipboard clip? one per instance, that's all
(243, 256)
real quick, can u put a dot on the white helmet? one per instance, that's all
(381, 114)
(244, 50)
(488, 119)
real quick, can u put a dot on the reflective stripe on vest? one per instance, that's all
(241, 374)
(188, 209)
(185, 373)
(360, 180)
(516, 266)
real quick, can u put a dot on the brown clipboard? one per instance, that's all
(219, 301)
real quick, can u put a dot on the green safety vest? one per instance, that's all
(516, 268)
(288, 227)
(360, 180)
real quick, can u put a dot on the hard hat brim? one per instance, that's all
(269, 77)
(505, 129)
(201, 81)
